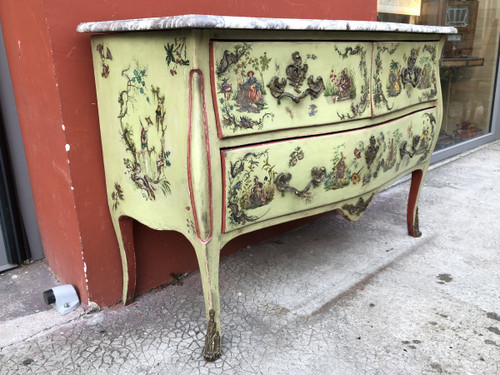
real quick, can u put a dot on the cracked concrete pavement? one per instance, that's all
(332, 297)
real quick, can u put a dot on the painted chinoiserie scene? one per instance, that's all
(280, 178)
(140, 129)
(404, 75)
(263, 86)
(213, 135)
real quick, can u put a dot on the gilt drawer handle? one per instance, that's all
(414, 144)
(411, 74)
(282, 181)
(296, 73)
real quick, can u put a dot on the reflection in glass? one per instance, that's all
(468, 63)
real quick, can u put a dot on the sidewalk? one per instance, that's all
(332, 297)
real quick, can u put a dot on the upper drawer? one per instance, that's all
(264, 86)
(404, 74)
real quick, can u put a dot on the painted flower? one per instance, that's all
(333, 76)
(357, 153)
(355, 178)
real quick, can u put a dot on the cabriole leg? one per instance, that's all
(125, 236)
(208, 260)
(412, 214)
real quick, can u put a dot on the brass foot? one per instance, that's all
(416, 230)
(212, 349)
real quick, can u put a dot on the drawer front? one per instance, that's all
(266, 86)
(404, 74)
(275, 179)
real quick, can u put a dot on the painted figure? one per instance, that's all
(144, 138)
(394, 88)
(226, 88)
(159, 115)
(344, 86)
(340, 168)
(250, 95)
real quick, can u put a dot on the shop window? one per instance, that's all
(469, 60)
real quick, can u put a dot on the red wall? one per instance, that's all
(51, 71)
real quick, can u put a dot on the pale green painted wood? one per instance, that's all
(252, 195)
(149, 161)
(389, 91)
(243, 71)
(150, 167)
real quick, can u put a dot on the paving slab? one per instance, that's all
(331, 297)
(22, 287)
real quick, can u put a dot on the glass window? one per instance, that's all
(469, 60)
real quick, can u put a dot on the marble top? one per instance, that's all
(196, 21)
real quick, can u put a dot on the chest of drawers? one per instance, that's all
(218, 126)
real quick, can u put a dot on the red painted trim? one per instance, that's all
(190, 178)
(329, 134)
(371, 79)
(416, 180)
(207, 151)
(224, 208)
(343, 214)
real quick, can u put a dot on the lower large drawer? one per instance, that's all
(278, 178)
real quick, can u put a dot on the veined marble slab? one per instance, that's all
(195, 21)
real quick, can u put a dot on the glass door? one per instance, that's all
(13, 244)
(468, 67)
(19, 235)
